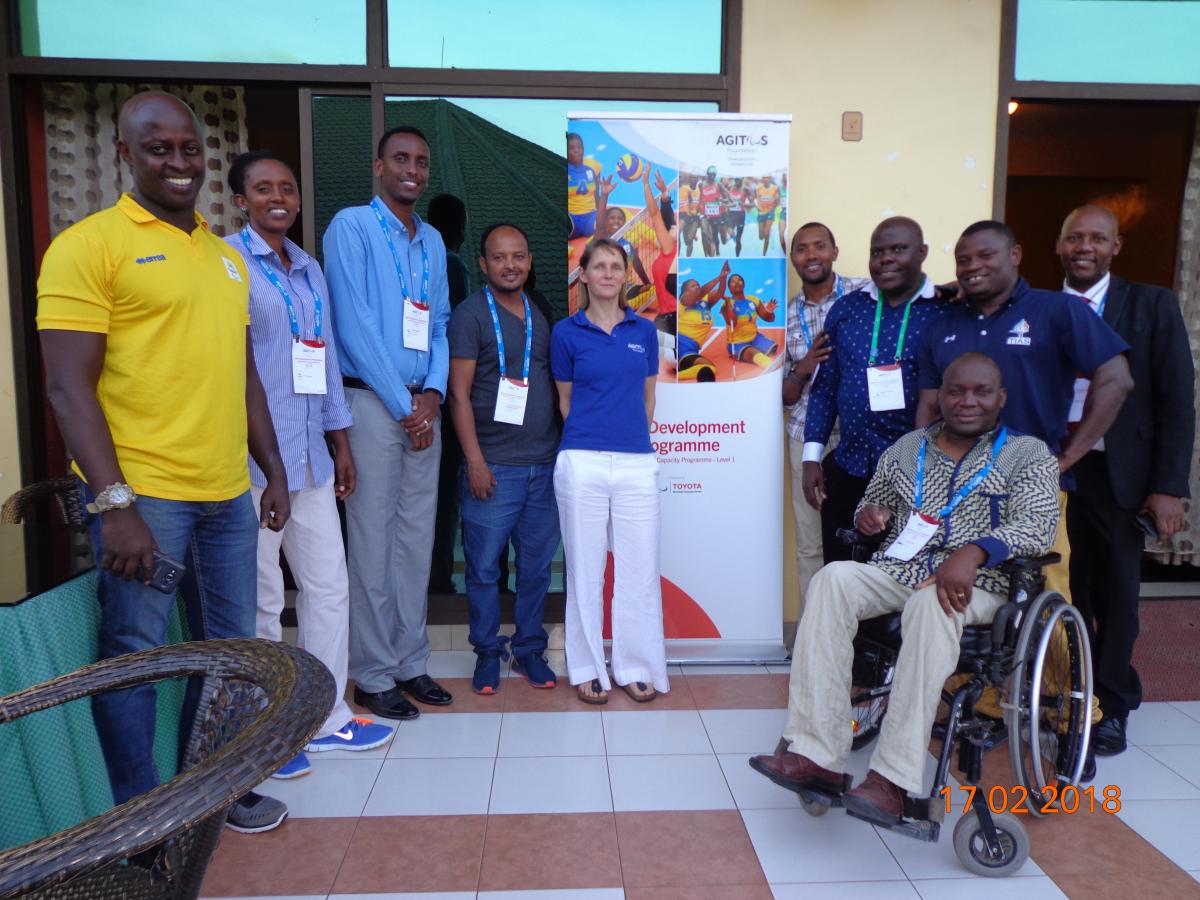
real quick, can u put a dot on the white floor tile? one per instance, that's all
(439, 637)
(653, 732)
(374, 753)
(743, 730)
(846, 890)
(1190, 708)
(752, 790)
(551, 784)
(937, 860)
(298, 897)
(1162, 723)
(431, 787)
(1182, 759)
(1037, 888)
(459, 637)
(421, 895)
(557, 894)
(793, 846)
(551, 734)
(725, 669)
(451, 663)
(335, 787)
(447, 736)
(1142, 777)
(668, 782)
(1172, 826)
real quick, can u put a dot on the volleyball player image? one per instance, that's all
(582, 176)
(741, 314)
(695, 324)
(637, 293)
(766, 201)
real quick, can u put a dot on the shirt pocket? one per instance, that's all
(997, 505)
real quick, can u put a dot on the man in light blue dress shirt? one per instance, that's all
(386, 270)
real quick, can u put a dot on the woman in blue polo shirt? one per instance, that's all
(605, 362)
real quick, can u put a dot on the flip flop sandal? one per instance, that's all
(598, 696)
(642, 687)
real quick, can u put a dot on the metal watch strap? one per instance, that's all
(117, 495)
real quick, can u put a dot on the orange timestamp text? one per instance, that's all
(1050, 800)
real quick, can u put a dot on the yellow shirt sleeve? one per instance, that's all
(74, 287)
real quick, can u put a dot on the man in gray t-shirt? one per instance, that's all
(502, 402)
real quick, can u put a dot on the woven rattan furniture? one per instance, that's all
(64, 492)
(260, 702)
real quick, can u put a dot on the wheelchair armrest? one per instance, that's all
(1028, 564)
(856, 538)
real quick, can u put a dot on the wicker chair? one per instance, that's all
(64, 492)
(260, 702)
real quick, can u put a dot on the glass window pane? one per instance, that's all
(313, 32)
(616, 36)
(1112, 41)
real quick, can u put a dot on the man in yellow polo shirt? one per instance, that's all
(143, 316)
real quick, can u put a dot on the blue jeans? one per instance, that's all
(521, 507)
(218, 542)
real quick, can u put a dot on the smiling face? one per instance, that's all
(403, 171)
(986, 266)
(971, 396)
(1087, 245)
(506, 261)
(897, 255)
(615, 219)
(272, 198)
(159, 141)
(813, 254)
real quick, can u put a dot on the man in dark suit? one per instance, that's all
(1140, 467)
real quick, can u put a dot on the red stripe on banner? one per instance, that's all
(683, 617)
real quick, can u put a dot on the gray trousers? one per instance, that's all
(389, 520)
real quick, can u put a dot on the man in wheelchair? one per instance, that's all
(956, 499)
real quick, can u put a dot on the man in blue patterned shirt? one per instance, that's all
(958, 498)
(868, 385)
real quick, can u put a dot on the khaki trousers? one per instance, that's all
(818, 718)
(809, 557)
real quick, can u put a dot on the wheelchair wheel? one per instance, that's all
(972, 851)
(813, 808)
(874, 667)
(1050, 699)
(866, 716)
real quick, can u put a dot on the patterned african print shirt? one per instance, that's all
(1013, 511)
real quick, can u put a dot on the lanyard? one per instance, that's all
(387, 235)
(903, 326)
(997, 446)
(500, 336)
(838, 287)
(287, 298)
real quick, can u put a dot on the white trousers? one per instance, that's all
(312, 542)
(809, 555)
(818, 718)
(611, 500)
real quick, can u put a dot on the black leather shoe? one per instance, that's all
(425, 690)
(389, 704)
(1108, 737)
(1089, 768)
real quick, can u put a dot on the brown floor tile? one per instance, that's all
(465, 699)
(1111, 886)
(523, 698)
(706, 849)
(301, 856)
(692, 892)
(543, 852)
(738, 691)
(413, 853)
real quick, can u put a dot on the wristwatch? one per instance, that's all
(115, 496)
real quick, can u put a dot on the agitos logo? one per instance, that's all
(741, 140)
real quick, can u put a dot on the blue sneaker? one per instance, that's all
(295, 767)
(357, 734)
(536, 670)
(486, 679)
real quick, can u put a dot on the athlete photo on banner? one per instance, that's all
(727, 216)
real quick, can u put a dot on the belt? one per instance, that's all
(351, 382)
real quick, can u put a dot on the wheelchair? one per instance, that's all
(1036, 653)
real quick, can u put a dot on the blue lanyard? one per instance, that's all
(500, 336)
(1100, 305)
(287, 298)
(387, 235)
(838, 287)
(997, 446)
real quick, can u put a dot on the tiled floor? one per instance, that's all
(531, 794)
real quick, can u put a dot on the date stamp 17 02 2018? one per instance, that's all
(1050, 800)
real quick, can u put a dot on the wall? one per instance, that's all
(12, 541)
(925, 76)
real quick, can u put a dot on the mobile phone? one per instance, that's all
(1145, 521)
(166, 576)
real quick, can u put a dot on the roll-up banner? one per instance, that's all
(713, 280)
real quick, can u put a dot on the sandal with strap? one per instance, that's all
(643, 693)
(597, 697)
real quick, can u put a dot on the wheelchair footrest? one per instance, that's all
(820, 797)
(915, 821)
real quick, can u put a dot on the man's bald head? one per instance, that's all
(897, 254)
(1089, 239)
(977, 363)
(149, 108)
(1091, 211)
(904, 224)
(160, 142)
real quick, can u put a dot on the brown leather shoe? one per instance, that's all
(796, 772)
(877, 800)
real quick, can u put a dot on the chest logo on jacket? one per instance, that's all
(1019, 335)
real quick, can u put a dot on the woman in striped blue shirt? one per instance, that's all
(296, 357)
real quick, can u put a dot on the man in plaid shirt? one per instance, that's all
(814, 251)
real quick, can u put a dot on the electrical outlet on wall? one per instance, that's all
(852, 126)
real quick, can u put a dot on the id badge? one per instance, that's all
(416, 326)
(308, 367)
(885, 387)
(1078, 398)
(511, 397)
(918, 531)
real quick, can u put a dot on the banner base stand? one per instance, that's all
(725, 652)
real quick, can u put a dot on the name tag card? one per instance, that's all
(416, 326)
(885, 387)
(918, 531)
(1078, 398)
(511, 398)
(308, 367)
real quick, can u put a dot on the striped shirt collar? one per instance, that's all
(259, 247)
